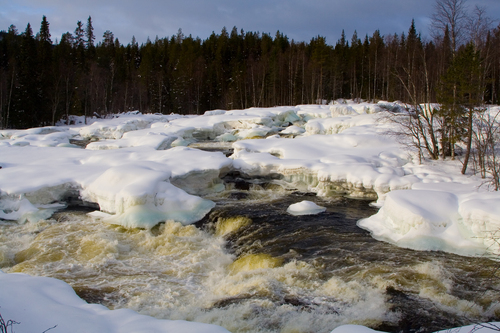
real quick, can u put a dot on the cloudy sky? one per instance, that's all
(298, 19)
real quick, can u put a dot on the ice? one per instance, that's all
(22, 210)
(258, 131)
(342, 110)
(339, 123)
(151, 139)
(40, 137)
(226, 137)
(352, 162)
(305, 208)
(307, 112)
(140, 197)
(137, 168)
(39, 303)
(134, 184)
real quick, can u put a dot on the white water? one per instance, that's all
(182, 272)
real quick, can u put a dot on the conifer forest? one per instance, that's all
(44, 79)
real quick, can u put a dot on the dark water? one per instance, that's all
(427, 291)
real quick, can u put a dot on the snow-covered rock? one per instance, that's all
(305, 208)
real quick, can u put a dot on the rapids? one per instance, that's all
(251, 267)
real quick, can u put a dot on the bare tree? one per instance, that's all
(451, 14)
(486, 140)
(478, 26)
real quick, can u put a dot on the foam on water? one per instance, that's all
(174, 271)
(177, 272)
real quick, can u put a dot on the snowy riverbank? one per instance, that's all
(138, 171)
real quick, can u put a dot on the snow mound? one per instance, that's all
(294, 130)
(140, 197)
(342, 110)
(305, 208)
(436, 220)
(141, 186)
(150, 139)
(115, 127)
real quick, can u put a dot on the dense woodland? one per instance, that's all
(42, 81)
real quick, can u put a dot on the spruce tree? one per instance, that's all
(26, 101)
(89, 34)
(79, 33)
(48, 76)
(460, 94)
(44, 31)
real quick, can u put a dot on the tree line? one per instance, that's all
(42, 81)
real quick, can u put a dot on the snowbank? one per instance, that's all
(140, 197)
(353, 162)
(483, 328)
(39, 303)
(439, 220)
(139, 174)
(137, 171)
(140, 186)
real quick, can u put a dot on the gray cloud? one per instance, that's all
(298, 19)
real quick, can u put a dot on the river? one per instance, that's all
(251, 267)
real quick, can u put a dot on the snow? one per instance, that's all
(412, 219)
(39, 303)
(132, 183)
(483, 328)
(137, 169)
(296, 130)
(141, 197)
(305, 208)
(355, 162)
(353, 329)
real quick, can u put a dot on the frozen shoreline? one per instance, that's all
(139, 172)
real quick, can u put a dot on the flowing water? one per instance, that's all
(251, 267)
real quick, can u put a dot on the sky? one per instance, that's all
(300, 20)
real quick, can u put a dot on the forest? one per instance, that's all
(42, 81)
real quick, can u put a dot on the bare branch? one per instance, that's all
(451, 14)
